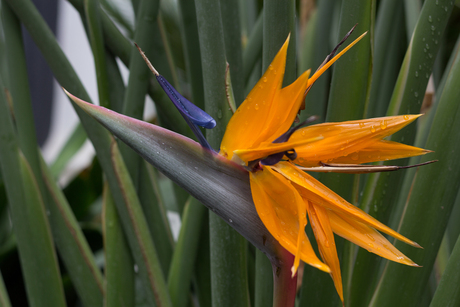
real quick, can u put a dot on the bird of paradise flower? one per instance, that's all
(284, 195)
(260, 138)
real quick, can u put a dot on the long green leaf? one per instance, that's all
(92, 8)
(427, 211)
(4, 299)
(228, 249)
(192, 50)
(40, 270)
(19, 89)
(232, 42)
(448, 292)
(183, 262)
(72, 245)
(381, 190)
(389, 53)
(119, 264)
(136, 90)
(316, 100)
(127, 204)
(155, 214)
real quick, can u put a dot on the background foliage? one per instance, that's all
(104, 238)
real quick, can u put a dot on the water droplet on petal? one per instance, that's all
(372, 129)
(270, 67)
(256, 107)
(383, 124)
(265, 79)
(355, 156)
(406, 117)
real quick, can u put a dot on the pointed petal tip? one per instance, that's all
(293, 271)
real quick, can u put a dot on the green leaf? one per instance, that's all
(184, 257)
(72, 245)
(92, 8)
(228, 249)
(223, 187)
(317, 35)
(382, 189)
(448, 292)
(119, 264)
(68, 151)
(4, 299)
(427, 211)
(40, 270)
(155, 214)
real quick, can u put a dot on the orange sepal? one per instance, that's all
(313, 190)
(344, 138)
(321, 226)
(277, 202)
(366, 237)
(249, 120)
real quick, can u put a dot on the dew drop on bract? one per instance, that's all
(355, 156)
(372, 129)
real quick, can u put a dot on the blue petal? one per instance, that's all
(185, 107)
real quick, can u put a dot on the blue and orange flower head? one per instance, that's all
(259, 137)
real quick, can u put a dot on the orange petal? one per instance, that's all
(284, 110)
(265, 149)
(344, 138)
(380, 151)
(313, 190)
(321, 226)
(320, 71)
(277, 203)
(249, 120)
(366, 237)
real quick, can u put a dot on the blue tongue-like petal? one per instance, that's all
(185, 107)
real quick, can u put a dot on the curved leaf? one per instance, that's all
(216, 182)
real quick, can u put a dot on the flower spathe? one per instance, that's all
(284, 195)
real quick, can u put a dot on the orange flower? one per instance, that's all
(284, 195)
